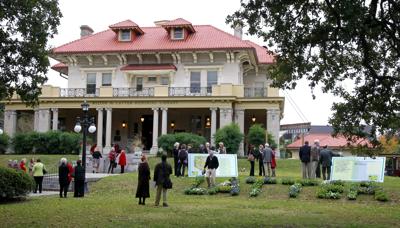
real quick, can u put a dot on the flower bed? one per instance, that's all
(294, 190)
(256, 188)
(288, 181)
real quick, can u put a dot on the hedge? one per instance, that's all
(14, 184)
(231, 136)
(51, 142)
(167, 141)
(4, 142)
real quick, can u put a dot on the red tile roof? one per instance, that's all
(205, 38)
(149, 67)
(325, 139)
(61, 68)
(179, 22)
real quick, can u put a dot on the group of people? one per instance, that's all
(312, 158)
(65, 174)
(114, 154)
(180, 153)
(265, 155)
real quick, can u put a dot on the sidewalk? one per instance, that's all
(44, 193)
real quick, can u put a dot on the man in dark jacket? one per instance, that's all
(326, 161)
(304, 154)
(211, 165)
(162, 171)
(63, 172)
(79, 179)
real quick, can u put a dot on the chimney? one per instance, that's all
(86, 30)
(238, 31)
(160, 23)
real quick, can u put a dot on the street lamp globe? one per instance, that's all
(78, 128)
(92, 128)
(1, 131)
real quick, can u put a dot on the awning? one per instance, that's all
(61, 68)
(148, 67)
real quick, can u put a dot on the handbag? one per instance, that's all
(250, 157)
(167, 184)
(44, 171)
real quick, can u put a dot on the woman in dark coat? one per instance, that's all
(79, 179)
(251, 157)
(142, 191)
(63, 172)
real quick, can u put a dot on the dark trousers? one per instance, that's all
(79, 188)
(111, 167)
(176, 166)
(38, 183)
(261, 168)
(64, 189)
(251, 168)
(122, 168)
(181, 169)
(326, 170)
(318, 171)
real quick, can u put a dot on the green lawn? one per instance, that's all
(111, 202)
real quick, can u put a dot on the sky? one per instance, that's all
(100, 14)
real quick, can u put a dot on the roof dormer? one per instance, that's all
(126, 30)
(178, 29)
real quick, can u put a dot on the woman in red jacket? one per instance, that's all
(122, 160)
(273, 160)
(22, 165)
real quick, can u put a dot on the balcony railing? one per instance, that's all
(255, 92)
(133, 92)
(189, 91)
(79, 92)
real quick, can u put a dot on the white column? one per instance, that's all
(225, 117)
(55, 119)
(164, 123)
(10, 122)
(108, 129)
(36, 120)
(239, 119)
(273, 126)
(100, 128)
(213, 124)
(154, 147)
(44, 119)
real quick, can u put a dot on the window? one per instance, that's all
(139, 84)
(178, 34)
(212, 79)
(91, 83)
(125, 35)
(164, 81)
(195, 82)
(259, 89)
(152, 79)
(106, 79)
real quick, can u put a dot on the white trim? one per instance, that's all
(151, 72)
(203, 67)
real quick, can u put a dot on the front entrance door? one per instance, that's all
(147, 131)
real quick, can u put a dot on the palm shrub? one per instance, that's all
(4, 142)
(256, 135)
(167, 141)
(231, 136)
(14, 184)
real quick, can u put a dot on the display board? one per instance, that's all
(227, 165)
(358, 169)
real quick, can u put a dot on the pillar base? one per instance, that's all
(154, 150)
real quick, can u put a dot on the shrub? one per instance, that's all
(333, 188)
(269, 180)
(198, 181)
(224, 188)
(352, 195)
(380, 195)
(256, 135)
(287, 181)
(4, 142)
(235, 186)
(337, 182)
(196, 191)
(231, 136)
(251, 180)
(309, 182)
(212, 191)
(256, 188)
(14, 184)
(51, 142)
(325, 194)
(294, 190)
(167, 141)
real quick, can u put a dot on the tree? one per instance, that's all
(256, 135)
(26, 26)
(329, 42)
(231, 136)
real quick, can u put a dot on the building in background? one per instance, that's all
(143, 82)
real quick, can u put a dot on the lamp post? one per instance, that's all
(86, 124)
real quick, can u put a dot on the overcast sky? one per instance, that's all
(100, 14)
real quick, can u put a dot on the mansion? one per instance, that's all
(143, 82)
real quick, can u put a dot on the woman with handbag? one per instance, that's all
(142, 191)
(251, 159)
(162, 172)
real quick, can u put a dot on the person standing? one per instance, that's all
(175, 153)
(79, 179)
(304, 154)
(273, 160)
(63, 173)
(182, 163)
(221, 148)
(162, 171)
(70, 172)
(31, 164)
(205, 149)
(22, 165)
(267, 159)
(260, 157)
(211, 165)
(326, 162)
(122, 160)
(96, 159)
(38, 172)
(314, 156)
(142, 191)
(112, 156)
(251, 158)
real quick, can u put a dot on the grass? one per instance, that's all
(111, 202)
